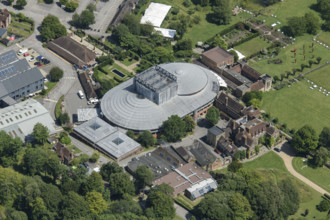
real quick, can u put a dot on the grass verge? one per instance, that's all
(319, 175)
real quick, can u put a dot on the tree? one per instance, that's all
(64, 138)
(83, 20)
(324, 206)
(40, 133)
(235, 166)
(304, 140)
(164, 188)
(125, 205)
(20, 4)
(233, 52)
(95, 156)
(240, 206)
(313, 23)
(130, 134)
(74, 206)
(63, 2)
(9, 148)
(91, 7)
(174, 128)
(63, 118)
(189, 123)
(51, 28)
(324, 138)
(51, 196)
(321, 157)
(162, 205)
(34, 160)
(143, 177)
(254, 97)
(257, 149)
(318, 59)
(108, 169)
(291, 197)
(10, 2)
(96, 203)
(93, 183)
(121, 184)
(222, 13)
(270, 2)
(184, 44)
(296, 26)
(71, 6)
(146, 139)
(217, 40)
(11, 185)
(213, 115)
(231, 182)
(56, 74)
(133, 23)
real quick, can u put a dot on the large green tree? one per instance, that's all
(313, 23)
(189, 123)
(320, 157)
(83, 20)
(20, 4)
(9, 148)
(96, 203)
(296, 26)
(221, 13)
(74, 206)
(120, 184)
(108, 169)
(40, 133)
(291, 197)
(213, 115)
(324, 138)
(51, 28)
(160, 205)
(143, 177)
(93, 183)
(174, 128)
(125, 205)
(146, 139)
(304, 140)
(56, 74)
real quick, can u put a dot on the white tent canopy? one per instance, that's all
(155, 14)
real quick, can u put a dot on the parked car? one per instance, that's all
(26, 54)
(81, 94)
(31, 59)
(40, 65)
(22, 51)
(40, 57)
(37, 63)
(277, 149)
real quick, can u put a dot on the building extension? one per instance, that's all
(107, 139)
(19, 120)
(17, 78)
(190, 180)
(151, 97)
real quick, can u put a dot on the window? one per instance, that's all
(169, 159)
(16, 117)
(162, 155)
(11, 119)
(20, 116)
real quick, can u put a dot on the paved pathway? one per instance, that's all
(287, 155)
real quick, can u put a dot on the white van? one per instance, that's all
(22, 51)
(81, 94)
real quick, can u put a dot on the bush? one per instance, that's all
(94, 157)
(56, 74)
(324, 206)
(71, 6)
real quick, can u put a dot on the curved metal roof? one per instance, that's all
(127, 109)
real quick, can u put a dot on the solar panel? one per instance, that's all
(13, 68)
(3, 58)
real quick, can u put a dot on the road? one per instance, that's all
(287, 154)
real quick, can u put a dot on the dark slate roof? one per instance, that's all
(16, 74)
(215, 130)
(86, 84)
(203, 156)
(183, 153)
(71, 50)
(3, 31)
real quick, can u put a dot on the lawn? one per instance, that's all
(286, 55)
(324, 37)
(321, 77)
(282, 10)
(271, 167)
(298, 105)
(114, 66)
(204, 30)
(128, 61)
(252, 46)
(320, 175)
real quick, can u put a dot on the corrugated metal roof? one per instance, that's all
(19, 119)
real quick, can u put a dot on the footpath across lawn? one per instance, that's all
(298, 105)
(319, 175)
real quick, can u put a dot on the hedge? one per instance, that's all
(58, 110)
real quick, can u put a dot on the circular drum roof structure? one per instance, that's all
(123, 106)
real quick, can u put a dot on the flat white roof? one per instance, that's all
(169, 33)
(85, 114)
(155, 14)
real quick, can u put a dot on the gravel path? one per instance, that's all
(287, 155)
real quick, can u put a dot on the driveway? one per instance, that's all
(287, 154)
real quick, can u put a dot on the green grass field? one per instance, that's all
(298, 105)
(271, 167)
(321, 77)
(320, 175)
(252, 46)
(288, 58)
(324, 37)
